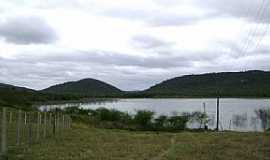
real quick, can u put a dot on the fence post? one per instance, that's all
(54, 124)
(30, 130)
(58, 124)
(69, 122)
(50, 124)
(4, 133)
(10, 117)
(19, 126)
(63, 121)
(38, 126)
(25, 118)
(45, 125)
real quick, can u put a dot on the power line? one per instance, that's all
(246, 14)
(265, 31)
(253, 31)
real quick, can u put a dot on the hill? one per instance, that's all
(227, 84)
(24, 98)
(86, 88)
(16, 96)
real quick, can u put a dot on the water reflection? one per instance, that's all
(240, 120)
(264, 116)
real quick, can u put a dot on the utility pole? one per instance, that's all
(204, 109)
(217, 128)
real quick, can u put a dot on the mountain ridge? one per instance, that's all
(84, 87)
(254, 83)
(250, 83)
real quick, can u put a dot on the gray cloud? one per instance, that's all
(113, 59)
(148, 42)
(27, 30)
(248, 9)
(125, 71)
(38, 68)
(257, 11)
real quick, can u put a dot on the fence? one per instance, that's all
(19, 128)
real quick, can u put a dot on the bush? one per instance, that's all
(161, 122)
(178, 122)
(105, 114)
(198, 117)
(264, 116)
(143, 119)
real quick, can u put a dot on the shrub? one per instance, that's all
(264, 116)
(178, 122)
(143, 119)
(161, 122)
(198, 117)
(105, 114)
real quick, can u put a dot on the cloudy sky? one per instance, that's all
(131, 44)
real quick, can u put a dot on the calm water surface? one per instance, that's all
(235, 114)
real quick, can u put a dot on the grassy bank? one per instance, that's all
(83, 142)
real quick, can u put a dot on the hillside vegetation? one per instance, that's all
(227, 84)
(86, 88)
(24, 98)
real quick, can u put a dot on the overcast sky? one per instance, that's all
(132, 44)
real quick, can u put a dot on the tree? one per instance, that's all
(144, 118)
(199, 117)
(264, 116)
(160, 122)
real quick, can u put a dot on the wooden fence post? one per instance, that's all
(38, 127)
(54, 124)
(25, 118)
(4, 133)
(30, 134)
(19, 127)
(58, 124)
(10, 116)
(50, 124)
(45, 125)
(63, 122)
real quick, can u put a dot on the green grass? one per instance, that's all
(87, 143)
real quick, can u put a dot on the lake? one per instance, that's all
(235, 114)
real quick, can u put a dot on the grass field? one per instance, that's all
(86, 143)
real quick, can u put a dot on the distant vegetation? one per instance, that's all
(143, 120)
(227, 84)
(18, 97)
(85, 88)
(264, 116)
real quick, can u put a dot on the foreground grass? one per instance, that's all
(83, 143)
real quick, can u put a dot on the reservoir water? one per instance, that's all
(235, 114)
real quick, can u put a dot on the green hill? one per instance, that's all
(227, 84)
(24, 98)
(14, 96)
(86, 88)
